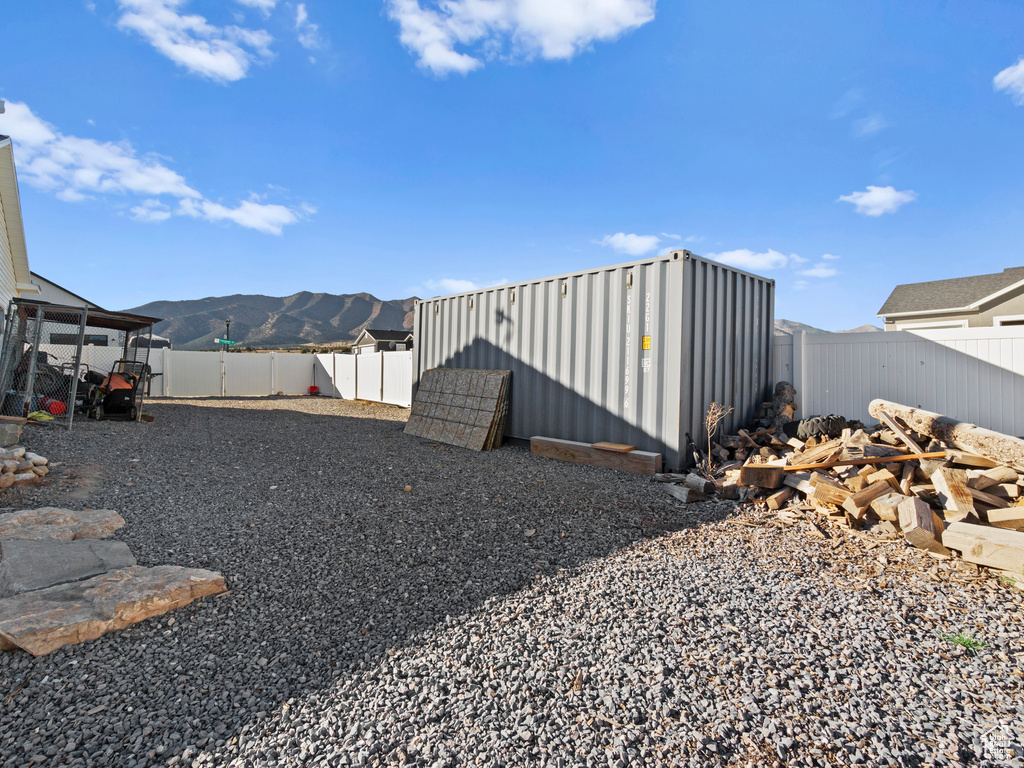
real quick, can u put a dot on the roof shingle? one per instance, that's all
(953, 294)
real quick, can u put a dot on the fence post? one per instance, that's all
(223, 376)
(799, 373)
(380, 398)
(335, 392)
(167, 372)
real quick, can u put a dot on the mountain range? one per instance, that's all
(789, 327)
(267, 321)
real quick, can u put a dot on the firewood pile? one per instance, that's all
(940, 485)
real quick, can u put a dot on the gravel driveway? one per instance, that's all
(508, 610)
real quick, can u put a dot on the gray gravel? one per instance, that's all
(508, 610)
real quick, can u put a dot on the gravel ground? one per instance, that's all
(508, 610)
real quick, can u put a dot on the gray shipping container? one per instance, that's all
(633, 353)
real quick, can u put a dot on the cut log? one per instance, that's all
(954, 495)
(994, 547)
(639, 462)
(986, 478)
(800, 481)
(995, 446)
(861, 500)
(819, 453)
(887, 506)
(762, 476)
(918, 526)
(826, 493)
(856, 483)
(906, 478)
(779, 498)
(1011, 518)
(697, 482)
(890, 422)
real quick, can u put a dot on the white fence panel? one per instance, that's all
(369, 376)
(397, 384)
(323, 375)
(782, 359)
(293, 372)
(193, 374)
(345, 375)
(248, 374)
(974, 374)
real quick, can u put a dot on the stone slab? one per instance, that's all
(46, 619)
(51, 523)
(27, 564)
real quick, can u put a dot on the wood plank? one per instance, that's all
(884, 476)
(614, 447)
(887, 506)
(918, 526)
(800, 481)
(858, 502)
(864, 461)
(982, 479)
(954, 495)
(965, 459)
(1011, 518)
(684, 494)
(890, 422)
(987, 498)
(779, 498)
(638, 462)
(762, 476)
(1006, 490)
(827, 493)
(984, 545)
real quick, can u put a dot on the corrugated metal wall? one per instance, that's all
(970, 374)
(576, 346)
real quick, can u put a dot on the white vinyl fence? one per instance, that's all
(384, 377)
(972, 374)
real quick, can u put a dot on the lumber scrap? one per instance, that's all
(684, 494)
(762, 476)
(697, 482)
(779, 498)
(827, 493)
(800, 481)
(1006, 490)
(1011, 518)
(987, 498)
(980, 479)
(908, 441)
(984, 545)
(865, 461)
(887, 506)
(906, 478)
(858, 502)
(884, 476)
(918, 526)
(954, 495)
(638, 462)
(614, 447)
(995, 446)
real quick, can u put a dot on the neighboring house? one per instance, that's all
(382, 341)
(962, 302)
(50, 292)
(15, 279)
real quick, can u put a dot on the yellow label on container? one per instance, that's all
(647, 342)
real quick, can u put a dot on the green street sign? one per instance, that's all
(223, 341)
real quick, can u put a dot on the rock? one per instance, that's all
(9, 465)
(23, 466)
(24, 477)
(51, 523)
(14, 453)
(10, 429)
(26, 564)
(40, 470)
(42, 621)
(35, 458)
(6, 480)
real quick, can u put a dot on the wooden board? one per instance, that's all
(614, 447)
(858, 502)
(864, 461)
(918, 526)
(762, 476)
(890, 422)
(954, 495)
(1011, 518)
(981, 544)
(639, 462)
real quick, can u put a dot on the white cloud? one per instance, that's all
(744, 258)
(516, 28)
(634, 245)
(820, 269)
(869, 126)
(75, 169)
(448, 285)
(223, 54)
(266, 6)
(669, 236)
(847, 103)
(830, 257)
(800, 285)
(878, 200)
(1011, 80)
(307, 32)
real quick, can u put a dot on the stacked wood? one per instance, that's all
(937, 483)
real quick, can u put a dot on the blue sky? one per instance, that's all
(172, 149)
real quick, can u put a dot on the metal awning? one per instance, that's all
(95, 318)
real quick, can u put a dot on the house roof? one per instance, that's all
(958, 294)
(378, 335)
(88, 303)
(10, 209)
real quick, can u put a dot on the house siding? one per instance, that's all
(1008, 304)
(8, 281)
